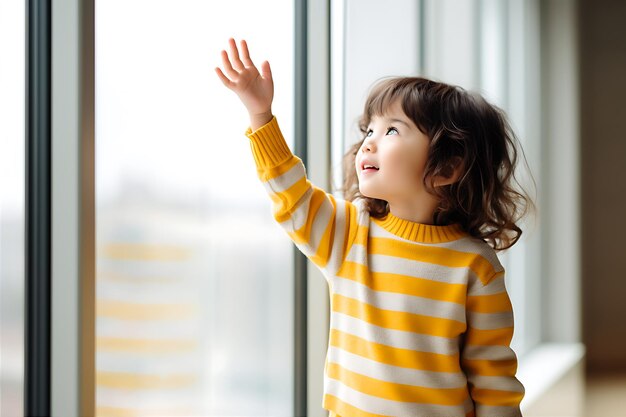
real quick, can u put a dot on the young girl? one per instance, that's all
(421, 322)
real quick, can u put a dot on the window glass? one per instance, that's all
(360, 56)
(451, 40)
(194, 278)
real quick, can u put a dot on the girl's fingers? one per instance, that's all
(228, 83)
(245, 54)
(229, 68)
(235, 55)
(266, 71)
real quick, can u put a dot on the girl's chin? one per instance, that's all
(370, 195)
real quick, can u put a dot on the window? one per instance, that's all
(194, 278)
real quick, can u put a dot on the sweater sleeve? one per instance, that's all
(320, 225)
(486, 357)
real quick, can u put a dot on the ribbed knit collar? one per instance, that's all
(421, 232)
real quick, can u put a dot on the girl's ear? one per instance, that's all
(453, 172)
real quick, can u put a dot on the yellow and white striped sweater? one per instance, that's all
(421, 322)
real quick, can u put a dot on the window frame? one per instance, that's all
(72, 365)
(72, 357)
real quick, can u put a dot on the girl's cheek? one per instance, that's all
(396, 155)
(401, 161)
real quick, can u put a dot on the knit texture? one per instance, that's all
(421, 322)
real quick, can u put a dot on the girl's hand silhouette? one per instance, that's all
(255, 90)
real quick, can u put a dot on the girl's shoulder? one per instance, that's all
(481, 251)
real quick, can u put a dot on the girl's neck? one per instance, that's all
(417, 213)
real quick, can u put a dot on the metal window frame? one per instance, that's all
(38, 210)
(73, 208)
(312, 119)
(59, 263)
(315, 108)
(300, 263)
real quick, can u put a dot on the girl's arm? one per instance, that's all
(486, 357)
(321, 226)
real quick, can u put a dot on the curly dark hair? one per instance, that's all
(464, 129)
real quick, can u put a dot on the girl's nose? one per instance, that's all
(368, 146)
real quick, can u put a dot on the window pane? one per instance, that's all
(361, 56)
(12, 215)
(451, 41)
(194, 278)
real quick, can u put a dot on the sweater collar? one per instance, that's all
(421, 232)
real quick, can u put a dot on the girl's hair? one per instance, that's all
(464, 129)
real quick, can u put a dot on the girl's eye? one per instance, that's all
(389, 129)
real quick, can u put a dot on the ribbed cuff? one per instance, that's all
(269, 147)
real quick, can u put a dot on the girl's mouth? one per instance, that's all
(368, 168)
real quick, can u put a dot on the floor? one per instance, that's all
(605, 396)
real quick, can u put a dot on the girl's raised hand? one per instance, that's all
(255, 90)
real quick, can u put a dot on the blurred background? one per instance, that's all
(201, 305)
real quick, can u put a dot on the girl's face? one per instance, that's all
(390, 163)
